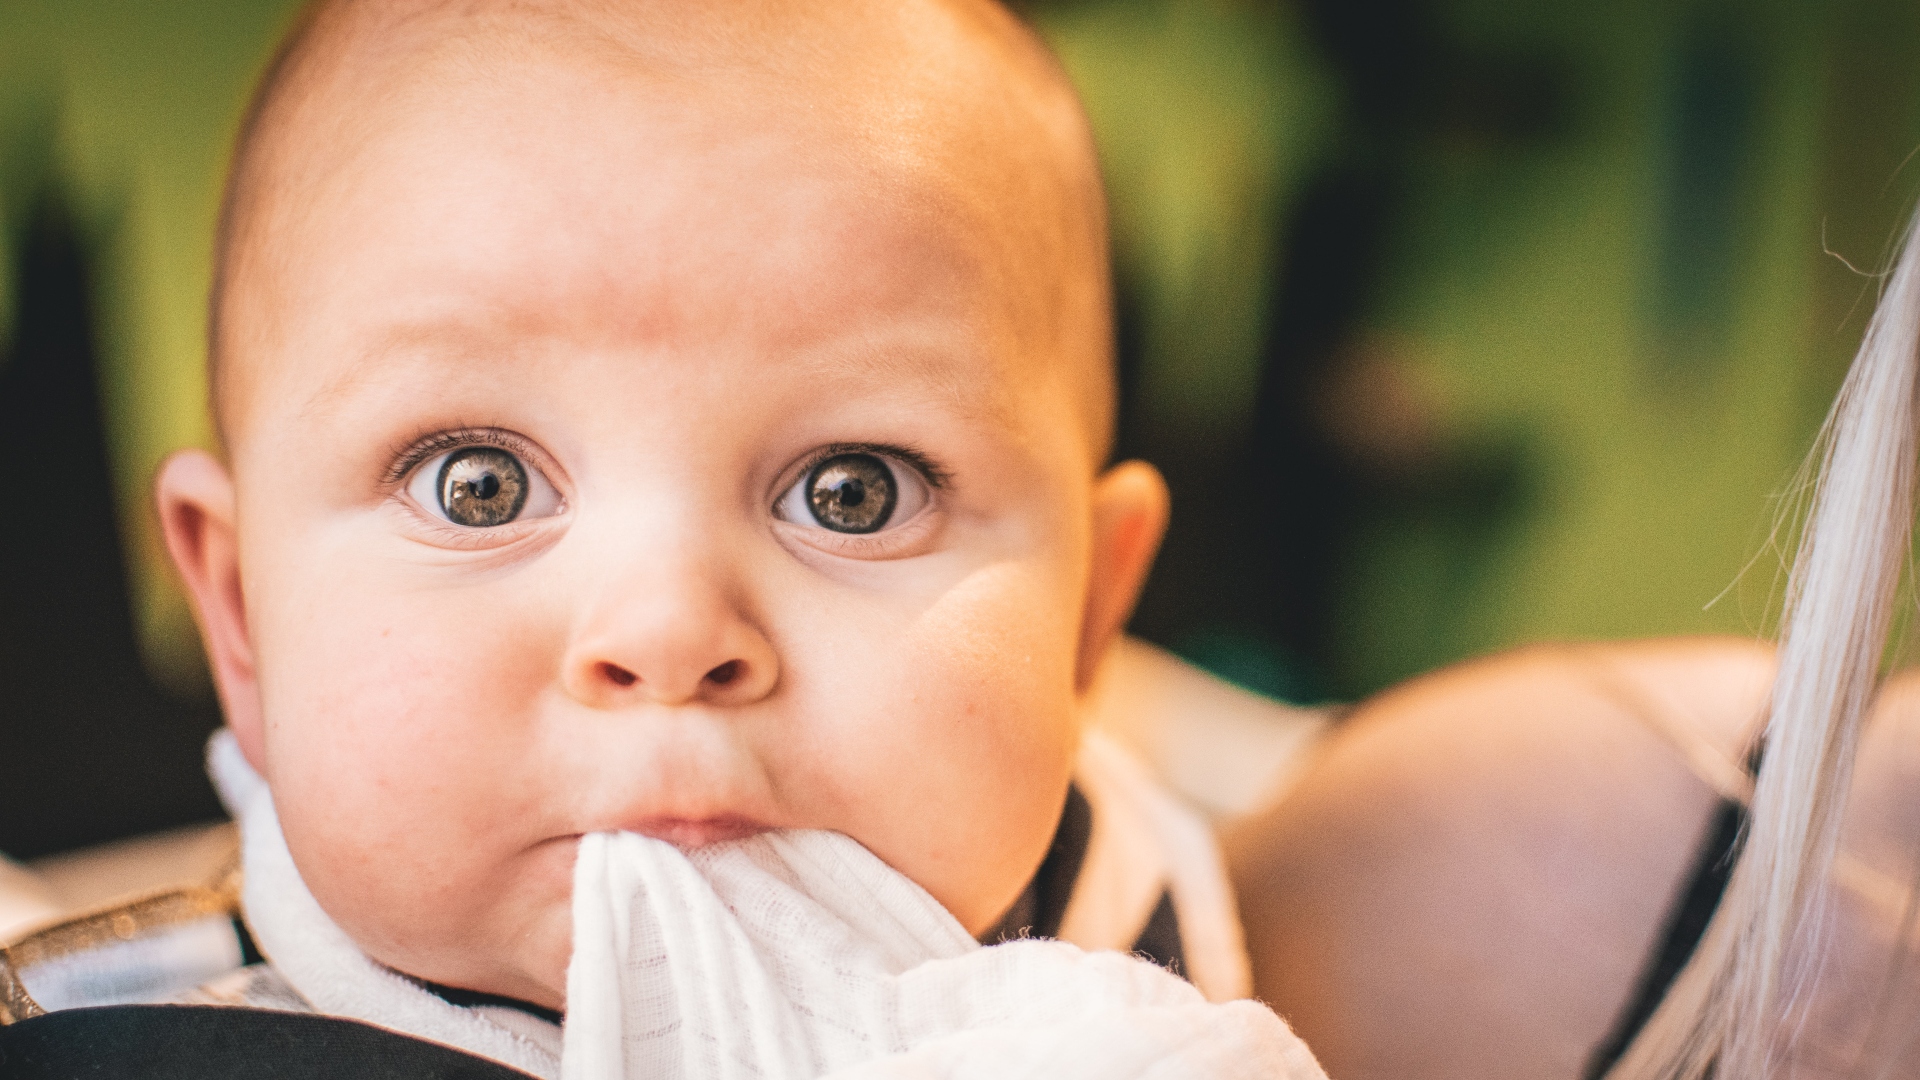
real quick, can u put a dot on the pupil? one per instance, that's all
(852, 493)
(482, 486)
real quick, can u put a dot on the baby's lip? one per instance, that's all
(697, 832)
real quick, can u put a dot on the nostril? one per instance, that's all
(618, 675)
(725, 673)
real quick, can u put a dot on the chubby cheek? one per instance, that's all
(947, 748)
(400, 744)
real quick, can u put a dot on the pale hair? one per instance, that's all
(1735, 1002)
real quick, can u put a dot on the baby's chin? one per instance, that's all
(531, 965)
(518, 942)
(517, 945)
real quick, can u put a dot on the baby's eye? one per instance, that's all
(482, 486)
(854, 493)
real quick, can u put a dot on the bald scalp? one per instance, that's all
(927, 84)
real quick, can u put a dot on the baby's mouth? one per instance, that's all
(697, 832)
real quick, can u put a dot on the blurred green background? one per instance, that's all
(1455, 324)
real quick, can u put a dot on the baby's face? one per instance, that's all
(611, 464)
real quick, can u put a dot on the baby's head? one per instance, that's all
(684, 418)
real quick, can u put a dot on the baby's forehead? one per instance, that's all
(556, 136)
(639, 226)
(930, 99)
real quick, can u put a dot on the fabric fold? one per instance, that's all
(801, 954)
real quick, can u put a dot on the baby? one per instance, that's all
(685, 419)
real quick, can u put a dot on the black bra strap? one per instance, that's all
(1686, 925)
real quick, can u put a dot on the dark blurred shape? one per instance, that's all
(1712, 121)
(90, 749)
(1259, 553)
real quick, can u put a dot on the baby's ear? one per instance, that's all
(194, 495)
(1129, 518)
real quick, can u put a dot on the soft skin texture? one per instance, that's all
(668, 277)
(1470, 878)
(1471, 874)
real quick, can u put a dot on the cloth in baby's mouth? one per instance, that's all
(784, 955)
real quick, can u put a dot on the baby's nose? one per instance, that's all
(722, 676)
(690, 645)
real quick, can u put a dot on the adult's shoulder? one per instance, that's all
(1468, 875)
(1883, 819)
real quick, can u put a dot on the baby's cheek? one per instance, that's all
(424, 871)
(425, 696)
(401, 749)
(960, 762)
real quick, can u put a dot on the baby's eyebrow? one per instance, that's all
(968, 380)
(400, 346)
(974, 384)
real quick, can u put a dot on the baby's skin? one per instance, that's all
(680, 418)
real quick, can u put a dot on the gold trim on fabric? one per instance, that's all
(125, 921)
(15, 1003)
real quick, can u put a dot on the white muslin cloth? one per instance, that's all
(800, 954)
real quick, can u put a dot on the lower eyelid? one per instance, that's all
(454, 536)
(903, 541)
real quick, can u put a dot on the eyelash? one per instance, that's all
(410, 455)
(929, 470)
